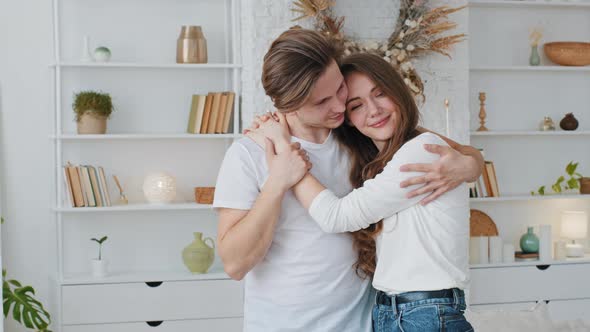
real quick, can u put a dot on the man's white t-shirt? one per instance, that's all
(306, 281)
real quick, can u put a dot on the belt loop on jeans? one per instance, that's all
(456, 297)
(394, 304)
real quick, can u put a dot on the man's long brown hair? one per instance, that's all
(366, 160)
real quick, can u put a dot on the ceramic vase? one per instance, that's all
(569, 122)
(529, 242)
(534, 59)
(198, 256)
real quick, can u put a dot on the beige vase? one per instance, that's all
(198, 256)
(92, 123)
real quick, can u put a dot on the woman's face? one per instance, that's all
(369, 110)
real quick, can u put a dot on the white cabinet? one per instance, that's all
(225, 325)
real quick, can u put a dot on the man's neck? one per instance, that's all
(305, 132)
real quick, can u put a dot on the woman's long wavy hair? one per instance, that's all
(366, 160)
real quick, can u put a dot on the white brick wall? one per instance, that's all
(264, 20)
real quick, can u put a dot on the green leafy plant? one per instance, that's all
(100, 242)
(97, 103)
(26, 310)
(562, 184)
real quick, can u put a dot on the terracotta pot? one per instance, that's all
(585, 186)
(92, 123)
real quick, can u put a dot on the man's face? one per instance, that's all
(325, 106)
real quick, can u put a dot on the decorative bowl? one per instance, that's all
(568, 53)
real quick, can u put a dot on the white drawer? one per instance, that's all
(528, 283)
(138, 302)
(213, 325)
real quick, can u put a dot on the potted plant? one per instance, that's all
(26, 309)
(92, 111)
(572, 184)
(99, 265)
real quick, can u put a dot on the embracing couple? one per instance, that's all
(339, 211)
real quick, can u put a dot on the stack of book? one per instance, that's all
(85, 186)
(487, 184)
(211, 113)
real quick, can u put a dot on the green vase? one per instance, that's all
(529, 242)
(534, 60)
(198, 256)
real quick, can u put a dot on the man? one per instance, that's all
(297, 277)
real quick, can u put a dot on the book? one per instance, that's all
(206, 113)
(104, 187)
(202, 99)
(76, 186)
(87, 186)
(486, 180)
(214, 113)
(493, 179)
(68, 193)
(229, 111)
(192, 115)
(95, 185)
(472, 190)
(480, 187)
(221, 113)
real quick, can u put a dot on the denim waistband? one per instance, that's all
(401, 301)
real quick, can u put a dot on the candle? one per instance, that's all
(447, 117)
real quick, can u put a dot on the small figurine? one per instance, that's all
(547, 124)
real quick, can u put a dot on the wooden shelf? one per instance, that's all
(79, 64)
(105, 137)
(538, 69)
(581, 260)
(527, 198)
(128, 277)
(137, 207)
(531, 133)
(529, 4)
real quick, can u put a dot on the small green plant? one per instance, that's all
(100, 242)
(26, 310)
(98, 103)
(572, 182)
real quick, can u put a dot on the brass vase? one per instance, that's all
(191, 46)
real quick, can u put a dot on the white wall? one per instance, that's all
(25, 148)
(25, 115)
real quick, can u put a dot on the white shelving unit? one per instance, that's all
(147, 132)
(518, 97)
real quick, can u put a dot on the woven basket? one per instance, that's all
(568, 53)
(480, 224)
(204, 195)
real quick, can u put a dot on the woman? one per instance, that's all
(421, 263)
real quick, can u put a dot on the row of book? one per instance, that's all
(487, 184)
(85, 186)
(211, 113)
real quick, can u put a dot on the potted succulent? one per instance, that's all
(92, 111)
(99, 265)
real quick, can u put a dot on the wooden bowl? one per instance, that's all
(568, 53)
(204, 195)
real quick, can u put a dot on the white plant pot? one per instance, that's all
(99, 268)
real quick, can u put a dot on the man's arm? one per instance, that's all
(457, 164)
(244, 236)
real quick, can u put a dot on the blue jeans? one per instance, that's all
(429, 315)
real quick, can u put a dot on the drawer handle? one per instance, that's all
(546, 301)
(154, 323)
(543, 267)
(153, 283)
